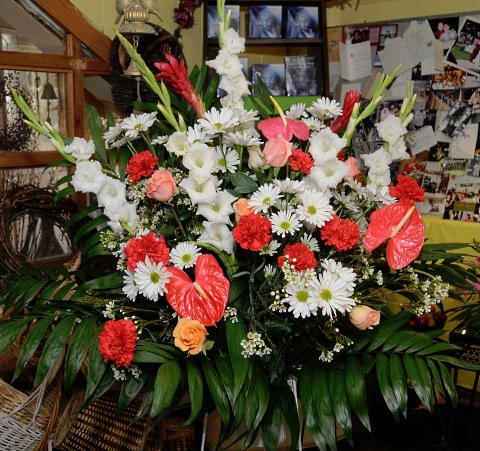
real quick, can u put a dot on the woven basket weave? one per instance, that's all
(16, 436)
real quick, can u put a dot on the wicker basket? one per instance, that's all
(177, 437)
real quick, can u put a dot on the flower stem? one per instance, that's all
(177, 219)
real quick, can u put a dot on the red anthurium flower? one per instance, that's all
(351, 98)
(283, 126)
(400, 224)
(174, 73)
(203, 300)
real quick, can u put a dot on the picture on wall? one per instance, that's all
(273, 75)
(265, 21)
(302, 22)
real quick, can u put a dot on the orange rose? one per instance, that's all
(242, 208)
(352, 165)
(364, 317)
(277, 151)
(161, 185)
(190, 335)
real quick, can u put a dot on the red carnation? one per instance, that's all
(301, 161)
(149, 245)
(351, 98)
(299, 255)
(407, 190)
(252, 232)
(341, 233)
(141, 165)
(117, 341)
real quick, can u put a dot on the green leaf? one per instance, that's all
(420, 378)
(437, 378)
(54, 347)
(271, 424)
(31, 343)
(399, 382)
(148, 357)
(240, 365)
(385, 383)
(77, 350)
(195, 385)
(387, 329)
(96, 131)
(130, 389)
(340, 404)
(448, 384)
(243, 183)
(10, 331)
(356, 389)
(290, 412)
(96, 369)
(90, 226)
(166, 383)
(438, 347)
(323, 406)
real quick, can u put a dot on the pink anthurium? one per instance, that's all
(203, 300)
(402, 225)
(283, 126)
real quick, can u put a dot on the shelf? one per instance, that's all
(213, 42)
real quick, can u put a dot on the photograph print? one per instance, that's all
(302, 22)
(265, 22)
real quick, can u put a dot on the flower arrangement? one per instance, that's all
(251, 254)
(183, 14)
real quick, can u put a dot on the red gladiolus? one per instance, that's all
(301, 161)
(141, 165)
(174, 73)
(252, 232)
(407, 190)
(341, 233)
(351, 98)
(117, 341)
(299, 255)
(149, 245)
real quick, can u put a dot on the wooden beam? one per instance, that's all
(74, 22)
(18, 160)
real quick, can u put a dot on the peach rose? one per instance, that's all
(364, 317)
(352, 167)
(242, 208)
(161, 185)
(277, 151)
(255, 158)
(190, 335)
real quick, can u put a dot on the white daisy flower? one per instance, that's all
(80, 149)
(112, 133)
(227, 159)
(270, 271)
(379, 193)
(219, 210)
(184, 255)
(265, 197)
(310, 242)
(216, 121)
(289, 186)
(391, 128)
(197, 134)
(112, 192)
(270, 248)
(118, 143)
(160, 140)
(88, 177)
(135, 124)
(313, 124)
(296, 111)
(324, 108)
(201, 162)
(218, 235)
(325, 145)
(200, 192)
(347, 275)
(151, 279)
(240, 138)
(314, 208)
(285, 222)
(130, 286)
(329, 174)
(347, 201)
(178, 144)
(330, 293)
(301, 303)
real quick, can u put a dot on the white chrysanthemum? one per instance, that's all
(129, 285)
(380, 179)
(160, 140)
(324, 108)
(347, 201)
(227, 159)
(378, 162)
(225, 63)
(310, 242)
(398, 150)
(135, 124)
(232, 42)
(151, 279)
(178, 144)
(118, 143)
(219, 210)
(80, 149)
(331, 294)
(200, 192)
(184, 255)
(391, 128)
(112, 134)
(296, 111)
(314, 208)
(329, 174)
(314, 124)
(301, 303)
(112, 193)
(289, 186)
(126, 213)
(216, 121)
(265, 197)
(236, 86)
(344, 273)
(325, 145)
(270, 248)
(201, 162)
(88, 177)
(285, 222)
(218, 235)
(241, 138)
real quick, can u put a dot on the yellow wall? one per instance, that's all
(339, 12)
